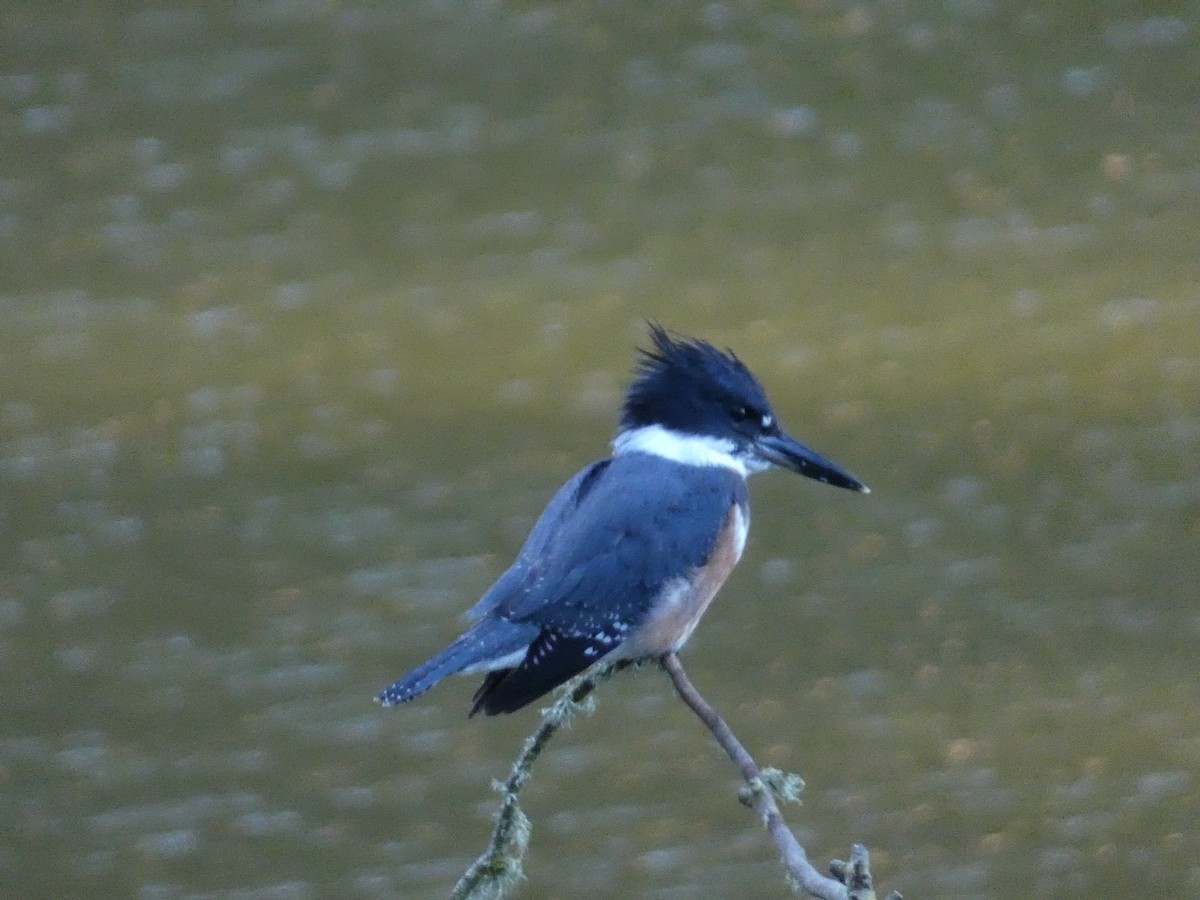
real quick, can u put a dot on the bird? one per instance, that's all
(630, 552)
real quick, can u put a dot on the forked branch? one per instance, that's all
(498, 869)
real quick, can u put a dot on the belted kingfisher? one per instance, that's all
(630, 552)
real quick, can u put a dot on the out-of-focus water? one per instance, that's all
(306, 309)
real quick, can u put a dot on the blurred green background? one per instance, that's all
(307, 308)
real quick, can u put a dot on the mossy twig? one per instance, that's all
(763, 788)
(498, 869)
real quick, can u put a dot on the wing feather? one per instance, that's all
(595, 571)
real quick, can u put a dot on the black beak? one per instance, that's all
(785, 451)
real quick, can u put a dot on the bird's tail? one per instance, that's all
(492, 643)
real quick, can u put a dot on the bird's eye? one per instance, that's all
(749, 415)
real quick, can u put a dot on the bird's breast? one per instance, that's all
(682, 603)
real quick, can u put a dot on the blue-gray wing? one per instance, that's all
(631, 526)
(641, 522)
(610, 541)
(528, 566)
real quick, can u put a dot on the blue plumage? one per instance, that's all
(628, 554)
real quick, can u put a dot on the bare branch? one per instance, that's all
(498, 869)
(762, 788)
